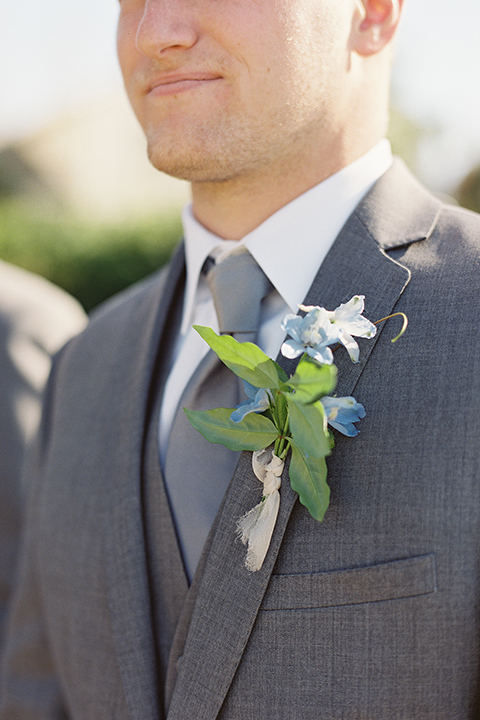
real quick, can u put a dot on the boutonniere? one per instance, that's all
(285, 414)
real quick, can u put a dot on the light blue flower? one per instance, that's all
(348, 320)
(311, 334)
(258, 401)
(342, 413)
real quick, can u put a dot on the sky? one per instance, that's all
(56, 54)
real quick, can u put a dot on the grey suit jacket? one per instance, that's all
(36, 319)
(371, 614)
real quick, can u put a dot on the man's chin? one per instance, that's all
(214, 156)
(195, 167)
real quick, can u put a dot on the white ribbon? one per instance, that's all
(255, 528)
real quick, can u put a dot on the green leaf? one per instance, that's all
(280, 410)
(308, 427)
(254, 432)
(312, 381)
(308, 477)
(244, 359)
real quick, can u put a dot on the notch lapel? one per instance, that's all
(126, 565)
(229, 596)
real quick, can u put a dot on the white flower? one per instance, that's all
(348, 320)
(311, 334)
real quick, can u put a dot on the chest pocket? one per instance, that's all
(387, 581)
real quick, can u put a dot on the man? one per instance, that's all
(36, 319)
(275, 111)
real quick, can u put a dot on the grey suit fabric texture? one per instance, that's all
(371, 614)
(36, 319)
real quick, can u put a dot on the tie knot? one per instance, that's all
(238, 286)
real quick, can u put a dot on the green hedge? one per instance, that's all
(91, 262)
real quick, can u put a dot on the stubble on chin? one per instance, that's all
(223, 153)
(180, 158)
(203, 153)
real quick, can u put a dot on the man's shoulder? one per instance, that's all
(455, 242)
(399, 210)
(453, 218)
(134, 299)
(118, 322)
(103, 361)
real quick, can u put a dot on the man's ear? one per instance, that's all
(375, 25)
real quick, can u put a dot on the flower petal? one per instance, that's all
(242, 411)
(311, 334)
(347, 429)
(351, 346)
(258, 403)
(292, 349)
(323, 355)
(342, 413)
(250, 390)
(292, 325)
(348, 317)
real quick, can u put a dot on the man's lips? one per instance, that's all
(174, 84)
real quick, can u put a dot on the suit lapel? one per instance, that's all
(229, 597)
(127, 579)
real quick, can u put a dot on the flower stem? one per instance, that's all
(282, 443)
(404, 326)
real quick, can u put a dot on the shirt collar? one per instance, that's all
(292, 243)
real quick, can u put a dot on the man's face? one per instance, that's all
(227, 88)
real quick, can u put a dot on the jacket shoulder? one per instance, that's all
(118, 316)
(456, 219)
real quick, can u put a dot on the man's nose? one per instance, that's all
(166, 25)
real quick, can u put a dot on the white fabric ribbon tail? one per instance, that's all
(255, 528)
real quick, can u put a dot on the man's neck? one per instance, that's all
(233, 208)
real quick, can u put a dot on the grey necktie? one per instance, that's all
(197, 472)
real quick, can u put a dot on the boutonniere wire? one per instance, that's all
(283, 414)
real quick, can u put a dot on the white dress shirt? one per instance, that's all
(289, 246)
